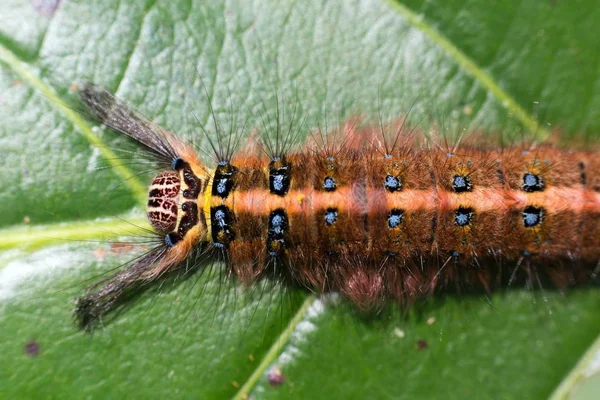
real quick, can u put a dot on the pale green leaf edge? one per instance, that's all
(581, 371)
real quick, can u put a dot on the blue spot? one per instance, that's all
(392, 183)
(277, 220)
(331, 216)
(276, 224)
(222, 185)
(532, 183)
(220, 218)
(530, 219)
(461, 184)
(278, 182)
(462, 219)
(329, 184)
(463, 216)
(279, 177)
(395, 218)
(532, 216)
(530, 180)
(394, 221)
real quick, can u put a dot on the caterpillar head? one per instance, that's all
(175, 201)
(164, 198)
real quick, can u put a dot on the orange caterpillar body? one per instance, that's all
(369, 221)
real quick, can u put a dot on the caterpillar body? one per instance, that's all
(371, 218)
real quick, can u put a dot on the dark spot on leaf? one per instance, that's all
(32, 348)
(275, 377)
(422, 344)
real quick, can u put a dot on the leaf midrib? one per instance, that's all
(38, 236)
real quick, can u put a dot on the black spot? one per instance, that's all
(221, 219)
(189, 219)
(433, 229)
(395, 218)
(392, 183)
(532, 183)
(331, 216)
(582, 175)
(463, 216)
(276, 234)
(172, 238)
(192, 181)
(462, 183)
(224, 180)
(279, 177)
(154, 203)
(332, 254)
(532, 216)
(500, 175)
(329, 184)
(177, 163)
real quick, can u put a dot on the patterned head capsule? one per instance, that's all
(163, 198)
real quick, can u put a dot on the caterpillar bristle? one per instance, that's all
(104, 296)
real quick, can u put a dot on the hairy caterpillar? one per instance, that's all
(372, 217)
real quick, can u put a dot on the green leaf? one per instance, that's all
(196, 336)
